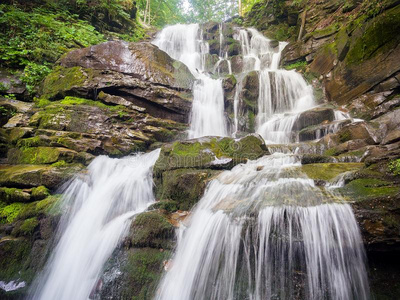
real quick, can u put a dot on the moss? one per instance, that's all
(10, 195)
(167, 205)
(201, 154)
(299, 65)
(331, 152)
(30, 142)
(143, 270)
(367, 188)
(10, 212)
(151, 229)
(379, 36)
(62, 79)
(344, 136)
(40, 192)
(28, 226)
(328, 171)
(327, 31)
(185, 186)
(60, 163)
(34, 155)
(13, 253)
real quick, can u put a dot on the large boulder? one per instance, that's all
(209, 152)
(138, 73)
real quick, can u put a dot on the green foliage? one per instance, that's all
(34, 40)
(394, 166)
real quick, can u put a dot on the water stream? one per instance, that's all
(100, 206)
(262, 230)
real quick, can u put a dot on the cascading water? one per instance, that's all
(185, 43)
(264, 231)
(101, 206)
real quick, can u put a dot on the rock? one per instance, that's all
(313, 117)
(392, 137)
(40, 155)
(372, 57)
(151, 229)
(237, 64)
(37, 175)
(184, 186)
(355, 131)
(16, 105)
(11, 195)
(140, 60)
(11, 84)
(40, 193)
(118, 101)
(209, 152)
(315, 159)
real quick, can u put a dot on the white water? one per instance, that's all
(185, 43)
(263, 231)
(101, 206)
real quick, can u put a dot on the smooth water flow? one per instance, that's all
(101, 205)
(185, 43)
(264, 231)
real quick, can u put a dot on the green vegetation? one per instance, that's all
(151, 229)
(394, 167)
(299, 65)
(8, 213)
(34, 40)
(364, 188)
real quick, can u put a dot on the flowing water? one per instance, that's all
(264, 230)
(185, 43)
(101, 205)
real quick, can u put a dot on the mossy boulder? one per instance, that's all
(328, 171)
(37, 175)
(152, 229)
(142, 60)
(40, 155)
(10, 195)
(184, 186)
(13, 253)
(209, 152)
(143, 271)
(40, 193)
(369, 188)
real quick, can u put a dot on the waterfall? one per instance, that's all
(100, 206)
(265, 231)
(185, 43)
(283, 94)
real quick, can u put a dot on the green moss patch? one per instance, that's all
(328, 171)
(380, 35)
(143, 271)
(367, 188)
(152, 229)
(205, 153)
(34, 155)
(8, 213)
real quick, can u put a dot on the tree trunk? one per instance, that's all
(240, 9)
(303, 23)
